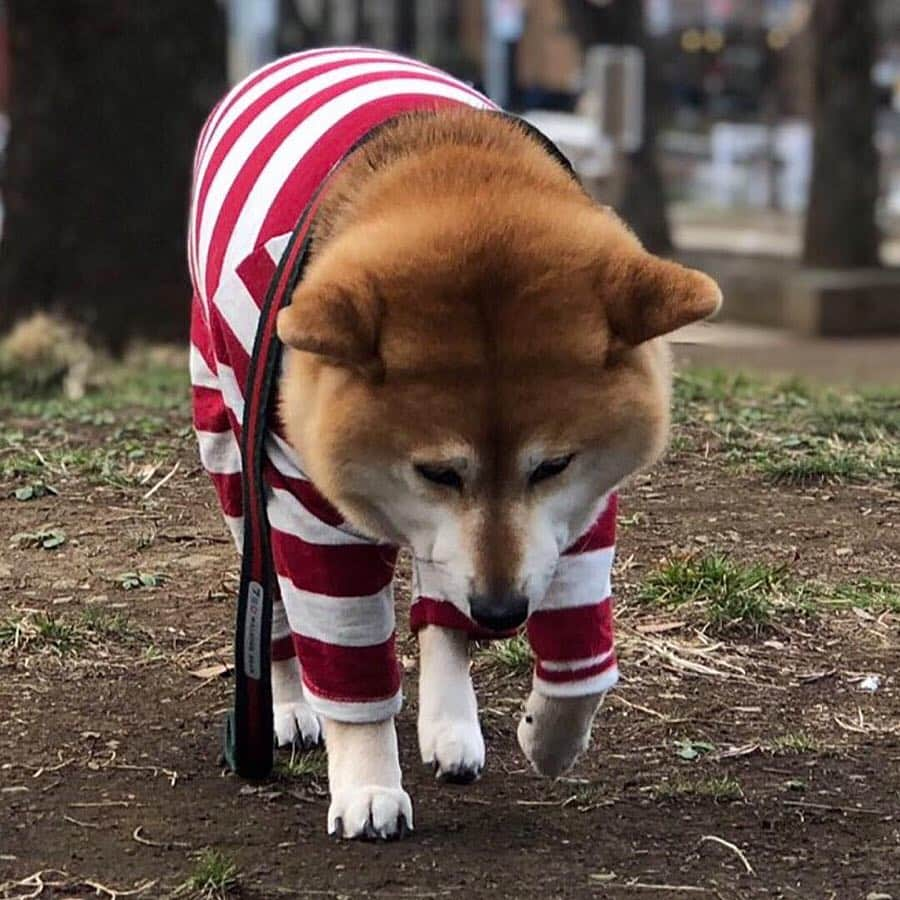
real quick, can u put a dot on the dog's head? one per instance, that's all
(472, 384)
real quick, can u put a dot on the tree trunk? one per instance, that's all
(406, 26)
(643, 203)
(107, 101)
(841, 231)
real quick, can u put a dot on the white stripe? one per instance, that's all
(284, 457)
(237, 308)
(573, 665)
(580, 580)
(231, 393)
(201, 374)
(289, 515)
(304, 137)
(353, 713)
(276, 247)
(280, 626)
(219, 452)
(268, 118)
(597, 684)
(436, 582)
(236, 527)
(343, 621)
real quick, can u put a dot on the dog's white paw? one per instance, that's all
(555, 731)
(296, 723)
(454, 748)
(370, 812)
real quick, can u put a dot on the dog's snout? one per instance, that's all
(499, 612)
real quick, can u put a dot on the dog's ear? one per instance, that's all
(340, 323)
(647, 297)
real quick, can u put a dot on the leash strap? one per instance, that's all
(249, 728)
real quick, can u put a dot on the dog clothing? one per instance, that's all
(262, 154)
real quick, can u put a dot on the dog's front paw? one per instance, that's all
(454, 748)
(370, 812)
(555, 731)
(296, 723)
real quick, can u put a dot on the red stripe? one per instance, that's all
(258, 270)
(349, 674)
(210, 413)
(429, 611)
(230, 491)
(577, 675)
(601, 534)
(579, 632)
(336, 570)
(283, 648)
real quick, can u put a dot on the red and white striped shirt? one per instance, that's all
(261, 155)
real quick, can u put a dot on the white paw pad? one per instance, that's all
(454, 748)
(296, 723)
(370, 812)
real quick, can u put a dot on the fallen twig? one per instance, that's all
(161, 482)
(734, 849)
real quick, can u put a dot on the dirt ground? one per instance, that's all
(753, 764)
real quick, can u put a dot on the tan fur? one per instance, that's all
(466, 298)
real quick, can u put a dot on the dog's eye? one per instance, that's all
(550, 468)
(442, 475)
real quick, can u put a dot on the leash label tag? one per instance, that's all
(253, 630)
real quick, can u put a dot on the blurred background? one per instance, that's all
(758, 140)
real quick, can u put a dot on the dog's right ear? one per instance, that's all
(340, 323)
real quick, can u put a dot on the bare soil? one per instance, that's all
(109, 753)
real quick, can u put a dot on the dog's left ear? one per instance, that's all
(647, 297)
(340, 323)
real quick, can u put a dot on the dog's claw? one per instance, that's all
(403, 828)
(369, 832)
(458, 775)
(338, 830)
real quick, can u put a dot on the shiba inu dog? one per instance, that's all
(472, 367)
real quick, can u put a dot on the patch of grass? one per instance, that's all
(106, 623)
(719, 789)
(44, 538)
(512, 655)
(792, 431)
(39, 631)
(818, 466)
(794, 742)
(214, 875)
(723, 592)
(868, 593)
(130, 581)
(302, 764)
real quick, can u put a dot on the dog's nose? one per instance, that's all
(499, 612)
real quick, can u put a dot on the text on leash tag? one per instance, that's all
(253, 630)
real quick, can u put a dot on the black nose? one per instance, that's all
(499, 612)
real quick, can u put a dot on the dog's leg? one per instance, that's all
(295, 722)
(367, 799)
(554, 731)
(449, 734)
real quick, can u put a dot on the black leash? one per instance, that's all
(249, 728)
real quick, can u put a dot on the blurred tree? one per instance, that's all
(108, 97)
(841, 231)
(406, 25)
(643, 203)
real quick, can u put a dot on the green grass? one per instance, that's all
(214, 875)
(511, 655)
(794, 742)
(302, 764)
(819, 466)
(869, 593)
(39, 631)
(790, 430)
(719, 789)
(723, 592)
(35, 631)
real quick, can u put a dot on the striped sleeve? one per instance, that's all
(571, 631)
